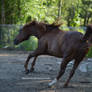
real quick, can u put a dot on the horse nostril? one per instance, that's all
(15, 41)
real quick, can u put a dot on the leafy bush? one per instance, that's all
(30, 44)
(1, 46)
(89, 53)
(81, 30)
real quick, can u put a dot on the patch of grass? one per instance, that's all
(30, 44)
(89, 53)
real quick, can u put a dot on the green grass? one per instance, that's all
(89, 53)
(30, 44)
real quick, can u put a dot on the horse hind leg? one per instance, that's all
(64, 63)
(76, 63)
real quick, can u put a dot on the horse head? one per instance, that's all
(31, 29)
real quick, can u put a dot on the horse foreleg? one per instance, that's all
(27, 61)
(33, 63)
(37, 52)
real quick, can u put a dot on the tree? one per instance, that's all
(59, 7)
(2, 12)
(86, 11)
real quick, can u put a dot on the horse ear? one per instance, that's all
(33, 22)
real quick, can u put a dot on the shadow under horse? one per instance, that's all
(69, 45)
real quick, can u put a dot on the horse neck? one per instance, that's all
(40, 33)
(37, 33)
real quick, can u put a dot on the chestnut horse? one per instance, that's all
(70, 45)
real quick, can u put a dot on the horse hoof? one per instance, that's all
(32, 69)
(49, 86)
(27, 72)
(65, 86)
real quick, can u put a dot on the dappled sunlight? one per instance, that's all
(6, 55)
(82, 85)
(48, 91)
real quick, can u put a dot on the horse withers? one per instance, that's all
(69, 45)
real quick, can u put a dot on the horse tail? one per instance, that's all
(88, 33)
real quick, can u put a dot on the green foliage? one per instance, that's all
(30, 44)
(73, 12)
(1, 46)
(80, 30)
(22, 11)
(89, 53)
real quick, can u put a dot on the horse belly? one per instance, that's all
(54, 50)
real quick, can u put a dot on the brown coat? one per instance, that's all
(55, 42)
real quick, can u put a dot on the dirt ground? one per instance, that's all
(14, 79)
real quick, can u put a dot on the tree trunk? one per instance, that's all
(2, 12)
(88, 19)
(85, 21)
(2, 20)
(59, 8)
(19, 8)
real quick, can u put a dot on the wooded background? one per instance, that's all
(73, 12)
(15, 13)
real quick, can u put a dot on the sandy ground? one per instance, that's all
(14, 79)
